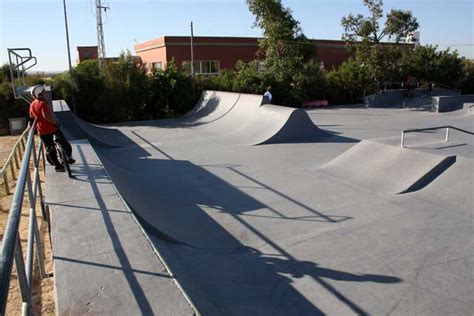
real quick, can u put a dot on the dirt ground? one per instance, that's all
(43, 290)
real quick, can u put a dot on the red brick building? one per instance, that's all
(211, 54)
(86, 52)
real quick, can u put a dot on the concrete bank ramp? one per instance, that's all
(387, 169)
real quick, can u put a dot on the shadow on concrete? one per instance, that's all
(219, 272)
(128, 271)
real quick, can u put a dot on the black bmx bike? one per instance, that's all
(62, 156)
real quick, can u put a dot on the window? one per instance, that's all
(157, 65)
(204, 67)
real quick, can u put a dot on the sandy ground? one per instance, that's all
(43, 290)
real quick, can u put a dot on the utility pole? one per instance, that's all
(100, 32)
(67, 38)
(192, 50)
(69, 54)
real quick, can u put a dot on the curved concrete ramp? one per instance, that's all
(212, 105)
(178, 193)
(248, 122)
(386, 169)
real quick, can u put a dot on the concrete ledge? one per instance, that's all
(450, 103)
(397, 97)
(103, 263)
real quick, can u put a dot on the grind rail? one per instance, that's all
(402, 142)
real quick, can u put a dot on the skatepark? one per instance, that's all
(240, 208)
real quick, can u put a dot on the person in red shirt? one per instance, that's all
(47, 127)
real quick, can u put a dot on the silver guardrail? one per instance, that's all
(11, 250)
(402, 142)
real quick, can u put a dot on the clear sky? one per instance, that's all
(39, 24)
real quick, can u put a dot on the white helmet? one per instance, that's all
(37, 90)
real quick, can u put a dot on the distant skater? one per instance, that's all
(268, 95)
(48, 127)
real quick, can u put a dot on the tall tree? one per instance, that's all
(398, 24)
(284, 45)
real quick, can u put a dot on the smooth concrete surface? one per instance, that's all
(401, 168)
(103, 263)
(261, 230)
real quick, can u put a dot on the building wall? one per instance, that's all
(86, 52)
(228, 50)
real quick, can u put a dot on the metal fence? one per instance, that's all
(10, 251)
(12, 164)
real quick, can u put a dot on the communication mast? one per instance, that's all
(100, 32)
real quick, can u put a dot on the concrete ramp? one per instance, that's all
(386, 169)
(225, 117)
(248, 122)
(177, 193)
(212, 105)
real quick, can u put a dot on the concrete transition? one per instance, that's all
(312, 223)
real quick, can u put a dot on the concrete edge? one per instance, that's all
(142, 229)
(431, 175)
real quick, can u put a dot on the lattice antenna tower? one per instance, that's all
(100, 32)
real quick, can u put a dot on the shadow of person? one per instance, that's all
(298, 269)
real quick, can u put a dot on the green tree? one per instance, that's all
(365, 34)
(171, 92)
(284, 45)
(126, 87)
(90, 85)
(362, 28)
(349, 83)
(466, 82)
(427, 63)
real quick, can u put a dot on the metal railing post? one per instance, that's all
(447, 134)
(37, 180)
(20, 270)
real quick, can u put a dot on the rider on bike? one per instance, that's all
(48, 127)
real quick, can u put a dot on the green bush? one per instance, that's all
(349, 83)
(466, 82)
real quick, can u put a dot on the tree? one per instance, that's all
(427, 63)
(359, 28)
(284, 45)
(364, 34)
(466, 82)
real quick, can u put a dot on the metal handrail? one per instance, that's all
(447, 127)
(12, 160)
(10, 250)
(17, 62)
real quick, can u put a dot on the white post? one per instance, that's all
(192, 50)
(403, 140)
(447, 134)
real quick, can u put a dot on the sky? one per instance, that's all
(39, 24)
